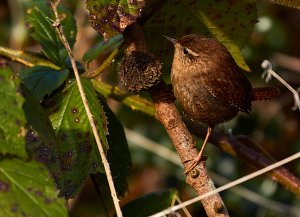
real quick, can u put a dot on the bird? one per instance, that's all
(209, 85)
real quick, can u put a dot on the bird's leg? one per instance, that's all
(199, 156)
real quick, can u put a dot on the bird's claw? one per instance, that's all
(194, 163)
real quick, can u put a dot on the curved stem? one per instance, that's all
(63, 39)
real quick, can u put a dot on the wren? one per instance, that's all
(209, 85)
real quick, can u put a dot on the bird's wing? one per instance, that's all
(231, 87)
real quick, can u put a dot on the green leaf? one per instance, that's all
(41, 142)
(26, 189)
(103, 47)
(118, 154)
(230, 22)
(110, 18)
(40, 19)
(78, 153)
(12, 118)
(149, 204)
(41, 80)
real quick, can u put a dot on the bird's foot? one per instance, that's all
(194, 163)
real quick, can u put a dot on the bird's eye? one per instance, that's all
(185, 51)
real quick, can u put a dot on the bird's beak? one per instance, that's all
(170, 39)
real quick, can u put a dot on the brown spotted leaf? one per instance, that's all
(41, 142)
(110, 18)
(78, 151)
(230, 22)
(27, 189)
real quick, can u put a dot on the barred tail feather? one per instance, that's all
(264, 93)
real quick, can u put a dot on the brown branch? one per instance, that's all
(198, 178)
(244, 148)
(168, 115)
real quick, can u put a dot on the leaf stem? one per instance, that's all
(134, 102)
(26, 58)
(103, 65)
(59, 29)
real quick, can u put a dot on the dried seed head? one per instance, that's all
(139, 71)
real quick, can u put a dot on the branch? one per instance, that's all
(60, 32)
(244, 148)
(165, 153)
(229, 185)
(198, 179)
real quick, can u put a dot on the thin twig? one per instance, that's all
(186, 212)
(59, 29)
(153, 147)
(229, 185)
(269, 73)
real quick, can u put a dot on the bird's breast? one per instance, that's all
(198, 103)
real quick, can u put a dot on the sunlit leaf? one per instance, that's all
(27, 58)
(78, 153)
(110, 18)
(12, 118)
(230, 22)
(41, 80)
(26, 189)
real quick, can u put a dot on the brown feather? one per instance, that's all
(264, 93)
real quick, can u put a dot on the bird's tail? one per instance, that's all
(264, 93)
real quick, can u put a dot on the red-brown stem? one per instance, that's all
(244, 148)
(198, 178)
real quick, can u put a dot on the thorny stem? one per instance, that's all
(269, 72)
(59, 29)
